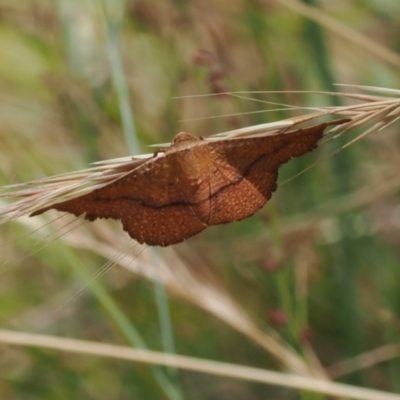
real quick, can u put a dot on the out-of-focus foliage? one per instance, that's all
(319, 264)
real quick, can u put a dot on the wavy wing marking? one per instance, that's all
(148, 203)
(246, 170)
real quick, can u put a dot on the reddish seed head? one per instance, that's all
(216, 74)
(270, 264)
(203, 57)
(278, 317)
(305, 335)
(219, 89)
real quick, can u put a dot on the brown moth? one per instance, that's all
(195, 184)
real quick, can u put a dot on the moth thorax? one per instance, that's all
(192, 166)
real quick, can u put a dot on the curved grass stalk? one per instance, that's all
(194, 364)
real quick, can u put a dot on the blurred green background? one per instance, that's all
(82, 81)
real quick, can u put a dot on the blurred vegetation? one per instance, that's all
(88, 80)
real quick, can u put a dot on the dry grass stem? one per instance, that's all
(194, 364)
(181, 281)
(381, 111)
(343, 31)
(365, 360)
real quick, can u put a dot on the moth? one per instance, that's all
(194, 184)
